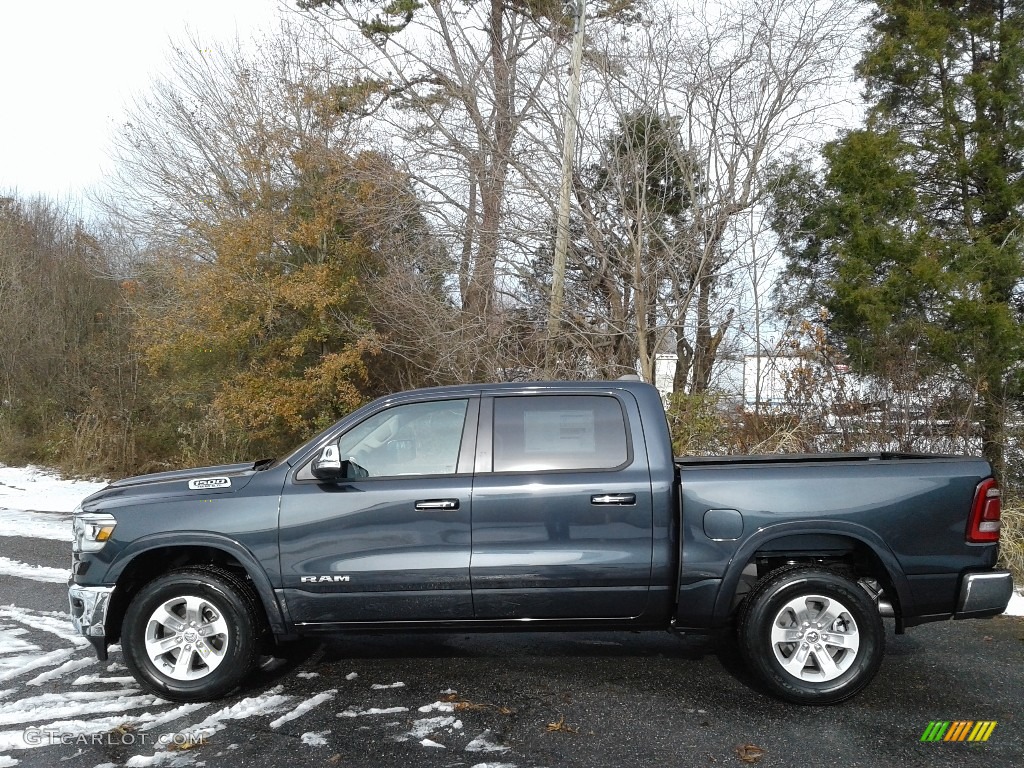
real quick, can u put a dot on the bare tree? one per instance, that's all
(470, 94)
(62, 360)
(731, 88)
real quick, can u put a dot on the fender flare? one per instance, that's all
(174, 539)
(745, 552)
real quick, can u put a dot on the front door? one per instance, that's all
(390, 542)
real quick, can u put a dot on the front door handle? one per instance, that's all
(427, 504)
(621, 499)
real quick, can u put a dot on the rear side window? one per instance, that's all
(552, 432)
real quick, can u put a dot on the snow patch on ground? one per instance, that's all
(37, 489)
(315, 738)
(94, 679)
(7, 761)
(384, 687)
(22, 665)
(37, 504)
(42, 573)
(428, 726)
(353, 712)
(307, 675)
(492, 765)
(351, 675)
(267, 703)
(1016, 606)
(70, 704)
(170, 759)
(55, 622)
(438, 706)
(69, 666)
(484, 743)
(35, 525)
(304, 707)
(67, 729)
(155, 721)
(10, 643)
(429, 743)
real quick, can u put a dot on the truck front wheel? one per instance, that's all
(811, 635)
(191, 634)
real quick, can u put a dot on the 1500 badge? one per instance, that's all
(209, 483)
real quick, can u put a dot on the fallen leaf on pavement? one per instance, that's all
(562, 726)
(748, 753)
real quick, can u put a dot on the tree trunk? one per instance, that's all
(479, 300)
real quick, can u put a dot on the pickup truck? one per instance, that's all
(533, 506)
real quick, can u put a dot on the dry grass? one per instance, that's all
(1011, 541)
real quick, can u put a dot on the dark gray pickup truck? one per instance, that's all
(527, 507)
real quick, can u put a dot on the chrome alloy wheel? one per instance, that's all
(815, 638)
(186, 637)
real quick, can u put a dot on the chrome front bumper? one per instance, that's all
(89, 607)
(984, 594)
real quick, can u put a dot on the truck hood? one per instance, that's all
(203, 481)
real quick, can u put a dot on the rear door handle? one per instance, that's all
(622, 499)
(427, 504)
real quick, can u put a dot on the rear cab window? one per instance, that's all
(550, 433)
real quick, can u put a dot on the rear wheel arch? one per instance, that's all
(830, 547)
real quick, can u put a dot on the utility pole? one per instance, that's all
(578, 8)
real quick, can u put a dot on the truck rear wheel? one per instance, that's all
(191, 634)
(811, 635)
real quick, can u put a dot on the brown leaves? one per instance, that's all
(560, 726)
(189, 741)
(749, 753)
(464, 705)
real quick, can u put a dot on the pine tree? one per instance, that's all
(912, 237)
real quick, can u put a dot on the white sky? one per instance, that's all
(67, 68)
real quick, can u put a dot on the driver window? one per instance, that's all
(414, 439)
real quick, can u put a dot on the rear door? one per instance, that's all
(562, 507)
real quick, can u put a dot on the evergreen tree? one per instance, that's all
(912, 236)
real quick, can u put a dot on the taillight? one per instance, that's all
(983, 527)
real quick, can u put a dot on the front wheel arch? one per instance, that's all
(153, 556)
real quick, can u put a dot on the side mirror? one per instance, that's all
(328, 465)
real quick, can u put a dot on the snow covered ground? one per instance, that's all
(39, 490)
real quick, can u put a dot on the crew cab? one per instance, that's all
(533, 506)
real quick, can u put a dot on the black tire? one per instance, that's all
(811, 635)
(192, 634)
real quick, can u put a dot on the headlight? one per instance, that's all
(92, 530)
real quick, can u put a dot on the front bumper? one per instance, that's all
(89, 607)
(984, 594)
